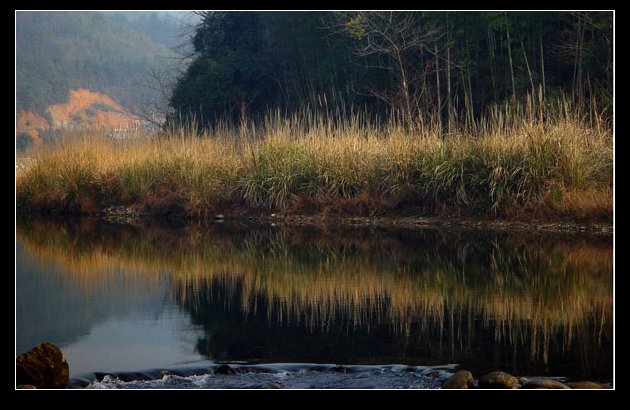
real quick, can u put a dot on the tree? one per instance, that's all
(247, 63)
(395, 36)
(416, 65)
(226, 78)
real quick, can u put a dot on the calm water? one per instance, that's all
(398, 308)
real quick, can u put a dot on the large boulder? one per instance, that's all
(544, 383)
(463, 379)
(43, 367)
(497, 380)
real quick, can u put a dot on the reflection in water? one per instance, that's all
(530, 304)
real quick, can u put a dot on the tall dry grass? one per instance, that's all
(560, 167)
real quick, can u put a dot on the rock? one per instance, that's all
(584, 385)
(497, 380)
(523, 380)
(463, 379)
(545, 384)
(274, 386)
(167, 373)
(431, 374)
(224, 369)
(339, 369)
(25, 386)
(43, 367)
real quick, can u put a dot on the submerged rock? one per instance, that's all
(433, 374)
(497, 380)
(339, 369)
(43, 367)
(545, 384)
(224, 369)
(463, 379)
(584, 385)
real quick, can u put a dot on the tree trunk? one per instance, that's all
(531, 80)
(580, 80)
(449, 107)
(542, 65)
(507, 29)
(405, 91)
(577, 56)
(471, 106)
(492, 58)
(437, 81)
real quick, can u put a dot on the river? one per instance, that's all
(309, 307)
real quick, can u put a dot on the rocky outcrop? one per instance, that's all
(43, 367)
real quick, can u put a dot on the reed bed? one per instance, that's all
(561, 167)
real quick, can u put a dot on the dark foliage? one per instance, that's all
(424, 65)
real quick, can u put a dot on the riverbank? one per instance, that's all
(560, 170)
(128, 215)
(435, 222)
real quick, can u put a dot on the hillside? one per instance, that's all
(85, 68)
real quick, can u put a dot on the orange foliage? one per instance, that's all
(90, 108)
(84, 108)
(30, 123)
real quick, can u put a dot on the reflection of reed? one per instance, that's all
(528, 290)
(74, 252)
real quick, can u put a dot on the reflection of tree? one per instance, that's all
(231, 334)
(422, 297)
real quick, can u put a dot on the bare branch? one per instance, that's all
(395, 37)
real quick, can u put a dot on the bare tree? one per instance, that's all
(156, 87)
(395, 36)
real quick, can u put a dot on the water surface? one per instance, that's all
(121, 298)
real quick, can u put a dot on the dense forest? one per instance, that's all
(440, 67)
(103, 52)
